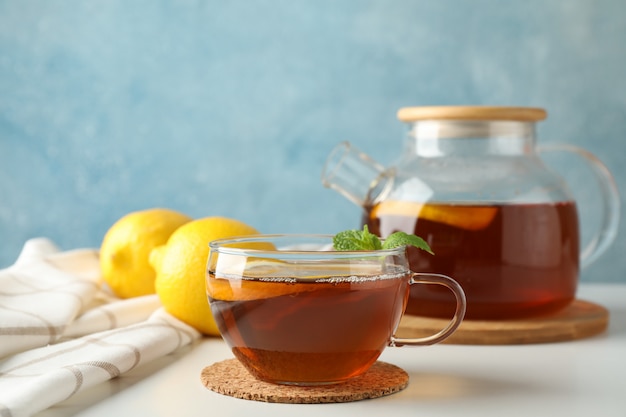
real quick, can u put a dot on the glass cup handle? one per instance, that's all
(607, 232)
(461, 305)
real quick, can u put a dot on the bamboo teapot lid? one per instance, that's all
(522, 114)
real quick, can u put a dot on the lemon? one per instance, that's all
(126, 247)
(180, 266)
(222, 289)
(462, 216)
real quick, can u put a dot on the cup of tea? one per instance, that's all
(294, 311)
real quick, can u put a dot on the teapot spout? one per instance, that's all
(356, 176)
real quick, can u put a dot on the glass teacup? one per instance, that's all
(295, 311)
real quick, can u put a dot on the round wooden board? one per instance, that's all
(229, 377)
(579, 320)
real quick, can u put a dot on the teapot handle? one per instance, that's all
(603, 238)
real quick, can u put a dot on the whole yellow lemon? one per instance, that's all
(126, 247)
(181, 266)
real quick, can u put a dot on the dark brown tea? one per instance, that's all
(512, 260)
(320, 331)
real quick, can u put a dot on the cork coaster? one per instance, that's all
(579, 320)
(230, 378)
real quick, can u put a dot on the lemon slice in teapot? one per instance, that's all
(466, 217)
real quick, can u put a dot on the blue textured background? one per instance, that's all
(230, 108)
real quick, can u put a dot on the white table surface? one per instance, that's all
(578, 378)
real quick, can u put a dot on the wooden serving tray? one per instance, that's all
(581, 319)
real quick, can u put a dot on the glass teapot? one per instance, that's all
(471, 182)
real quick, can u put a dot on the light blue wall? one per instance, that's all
(230, 107)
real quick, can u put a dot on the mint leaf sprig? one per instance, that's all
(355, 240)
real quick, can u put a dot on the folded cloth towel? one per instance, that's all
(61, 332)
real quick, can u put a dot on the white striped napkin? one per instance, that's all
(61, 332)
